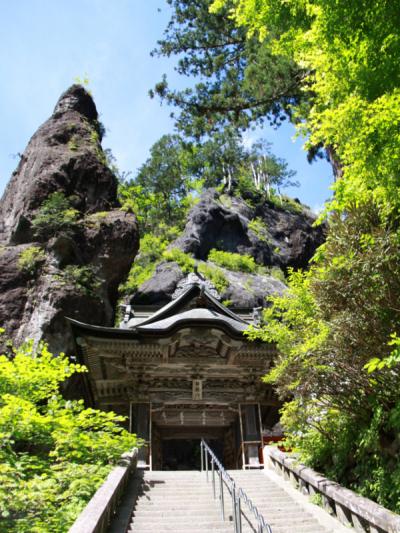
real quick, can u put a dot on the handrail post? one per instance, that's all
(234, 510)
(213, 476)
(221, 495)
(237, 494)
(206, 459)
(239, 513)
(201, 455)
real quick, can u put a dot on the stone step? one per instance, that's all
(177, 525)
(224, 529)
(192, 529)
(211, 521)
(289, 517)
(183, 502)
(141, 513)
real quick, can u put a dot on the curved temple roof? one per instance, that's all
(193, 306)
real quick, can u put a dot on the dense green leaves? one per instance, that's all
(239, 80)
(337, 326)
(351, 103)
(232, 261)
(338, 355)
(168, 184)
(54, 215)
(30, 259)
(54, 452)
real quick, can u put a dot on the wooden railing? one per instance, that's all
(96, 516)
(350, 508)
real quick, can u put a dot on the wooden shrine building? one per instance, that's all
(181, 372)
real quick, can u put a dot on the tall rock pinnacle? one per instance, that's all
(64, 155)
(71, 269)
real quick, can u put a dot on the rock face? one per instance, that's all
(160, 287)
(63, 155)
(273, 235)
(277, 237)
(72, 270)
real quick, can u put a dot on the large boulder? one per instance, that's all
(72, 271)
(243, 290)
(276, 235)
(158, 290)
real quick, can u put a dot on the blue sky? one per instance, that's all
(46, 44)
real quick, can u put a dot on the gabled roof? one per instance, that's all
(195, 307)
(205, 300)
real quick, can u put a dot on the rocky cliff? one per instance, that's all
(64, 244)
(276, 234)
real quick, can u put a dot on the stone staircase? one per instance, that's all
(176, 501)
(182, 501)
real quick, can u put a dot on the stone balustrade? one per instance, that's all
(96, 516)
(350, 508)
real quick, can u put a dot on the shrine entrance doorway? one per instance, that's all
(184, 454)
(172, 433)
(178, 448)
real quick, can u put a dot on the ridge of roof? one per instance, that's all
(196, 289)
(200, 313)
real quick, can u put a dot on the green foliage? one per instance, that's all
(390, 361)
(287, 203)
(349, 53)
(225, 200)
(30, 259)
(165, 186)
(81, 277)
(151, 251)
(95, 219)
(344, 415)
(104, 156)
(169, 182)
(73, 143)
(185, 261)
(215, 275)
(258, 227)
(239, 80)
(84, 80)
(232, 261)
(337, 326)
(54, 216)
(54, 453)
(348, 450)
(248, 285)
(276, 273)
(316, 499)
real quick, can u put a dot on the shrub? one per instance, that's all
(55, 453)
(151, 250)
(73, 143)
(215, 275)
(232, 261)
(276, 273)
(287, 203)
(95, 219)
(55, 214)
(82, 277)
(226, 200)
(30, 259)
(185, 261)
(258, 227)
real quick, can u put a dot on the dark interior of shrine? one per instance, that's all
(184, 454)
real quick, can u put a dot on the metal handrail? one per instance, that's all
(237, 494)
